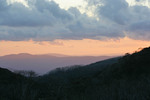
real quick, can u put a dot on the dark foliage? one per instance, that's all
(16, 87)
(122, 78)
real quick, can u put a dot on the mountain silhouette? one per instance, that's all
(120, 78)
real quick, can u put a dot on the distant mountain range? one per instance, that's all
(44, 63)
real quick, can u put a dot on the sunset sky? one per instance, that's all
(74, 27)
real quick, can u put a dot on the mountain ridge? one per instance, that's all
(43, 63)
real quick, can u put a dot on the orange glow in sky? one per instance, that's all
(73, 47)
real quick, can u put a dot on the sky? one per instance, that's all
(74, 27)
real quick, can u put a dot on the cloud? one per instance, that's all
(134, 21)
(3, 5)
(43, 13)
(44, 20)
(114, 10)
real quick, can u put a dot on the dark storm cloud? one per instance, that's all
(45, 21)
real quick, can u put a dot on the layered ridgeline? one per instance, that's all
(121, 78)
(44, 63)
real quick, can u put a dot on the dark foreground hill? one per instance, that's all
(122, 78)
(16, 87)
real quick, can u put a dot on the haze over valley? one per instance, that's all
(42, 64)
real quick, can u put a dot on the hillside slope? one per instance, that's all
(127, 78)
(16, 87)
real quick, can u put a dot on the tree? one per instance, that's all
(29, 73)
